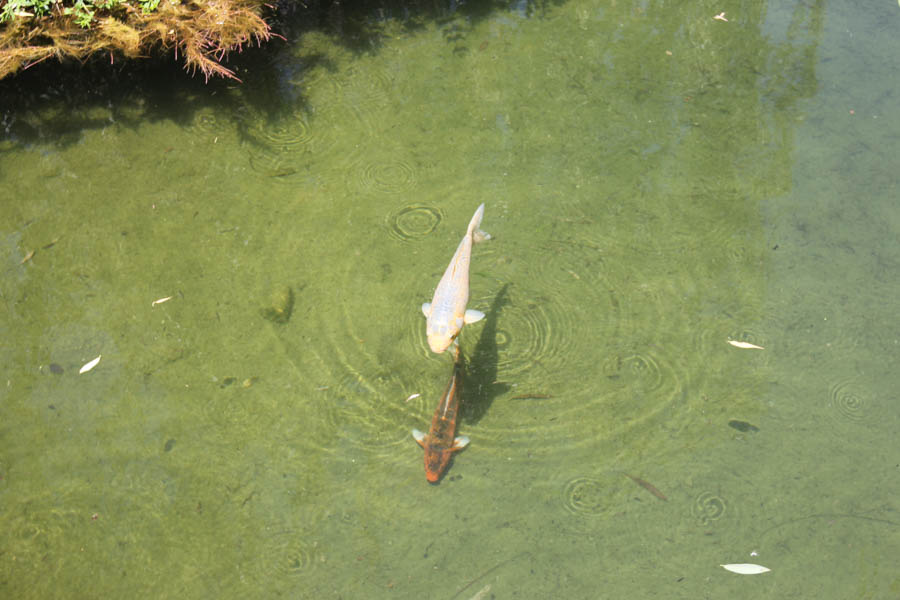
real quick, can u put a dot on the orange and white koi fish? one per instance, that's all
(446, 313)
(440, 443)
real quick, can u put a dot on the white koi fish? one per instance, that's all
(446, 313)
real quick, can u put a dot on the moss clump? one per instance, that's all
(202, 32)
(280, 305)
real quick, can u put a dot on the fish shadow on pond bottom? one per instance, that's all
(480, 385)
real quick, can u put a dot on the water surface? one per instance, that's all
(657, 182)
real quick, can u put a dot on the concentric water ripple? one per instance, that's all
(849, 403)
(282, 147)
(355, 394)
(414, 222)
(287, 553)
(391, 176)
(210, 122)
(588, 500)
(553, 372)
(363, 413)
(364, 91)
(587, 496)
(285, 134)
(277, 165)
(576, 349)
(646, 385)
(366, 85)
(527, 339)
(638, 371)
(292, 555)
(361, 401)
(533, 331)
(708, 507)
(43, 527)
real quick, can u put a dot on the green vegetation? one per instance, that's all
(83, 10)
(200, 31)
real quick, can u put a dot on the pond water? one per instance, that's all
(658, 182)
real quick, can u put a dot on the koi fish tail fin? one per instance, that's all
(475, 226)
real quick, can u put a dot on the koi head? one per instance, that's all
(439, 343)
(436, 462)
(441, 335)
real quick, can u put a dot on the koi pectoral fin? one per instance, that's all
(419, 437)
(460, 443)
(473, 316)
(426, 308)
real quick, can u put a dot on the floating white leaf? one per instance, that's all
(746, 568)
(160, 301)
(89, 365)
(738, 344)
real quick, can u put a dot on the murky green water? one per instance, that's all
(657, 182)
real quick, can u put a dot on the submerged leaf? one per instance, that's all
(89, 365)
(746, 568)
(738, 344)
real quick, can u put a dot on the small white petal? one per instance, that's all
(160, 301)
(89, 365)
(746, 568)
(738, 344)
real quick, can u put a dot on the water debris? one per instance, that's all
(160, 301)
(280, 305)
(745, 345)
(647, 486)
(746, 568)
(412, 397)
(743, 426)
(89, 365)
(28, 257)
(482, 593)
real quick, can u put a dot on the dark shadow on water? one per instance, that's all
(54, 102)
(480, 387)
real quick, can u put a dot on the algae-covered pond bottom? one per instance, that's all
(657, 183)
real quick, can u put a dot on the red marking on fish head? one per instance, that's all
(436, 462)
